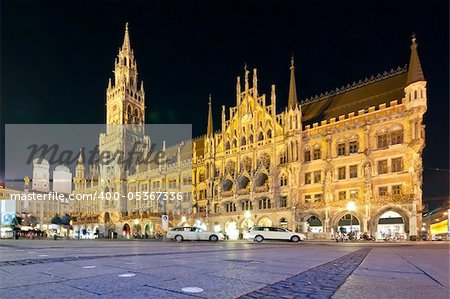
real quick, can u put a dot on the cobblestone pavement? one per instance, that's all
(319, 282)
(146, 269)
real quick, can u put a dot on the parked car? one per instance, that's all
(261, 233)
(193, 233)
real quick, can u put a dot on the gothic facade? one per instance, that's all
(298, 168)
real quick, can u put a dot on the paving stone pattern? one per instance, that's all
(319, 282)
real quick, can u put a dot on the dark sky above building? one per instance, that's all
(57, 56)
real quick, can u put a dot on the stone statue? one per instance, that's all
(417, 172)
(367, 173)
(327, 185)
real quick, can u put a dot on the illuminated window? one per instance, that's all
(397, 137)
(201, 177)
(307, 178)
(318, 197)
(382, 141)
(264, 204)
(341, 173)
(382, 167)
(353, 147)
(341, 149)
(307, 156)
(317, 176)
(307, 198)
(397, 164)
(397, 189)
(260, 136)
(247, 205)
(283, 201)
(353, 171)
(230, 207)
(317, 154)
(382, 191)
(283, 158)
(354, 193)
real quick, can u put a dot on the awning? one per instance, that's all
(440, 227)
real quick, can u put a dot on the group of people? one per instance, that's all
(353, 236)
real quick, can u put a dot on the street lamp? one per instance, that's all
(351, 207)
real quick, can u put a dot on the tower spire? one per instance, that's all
(292, 100)
(126, 40)
(209, 131)
(80, 157)
(415, 72)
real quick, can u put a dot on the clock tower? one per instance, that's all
(125, 99)
(125, 110)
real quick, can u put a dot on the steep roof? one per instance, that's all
(292, 99)
(370, 92)
(415, 72)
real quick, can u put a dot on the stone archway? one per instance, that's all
(337, 217)
(349, 223)
(126, 230)
(311, 219)
(231, 229)
(377, 216)
(265, 221)
(284, 222)
(148, 230)
(247, 223)
(315, 224)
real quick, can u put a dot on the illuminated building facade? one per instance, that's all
(297, 168)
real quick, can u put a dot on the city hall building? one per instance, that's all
(347, 159)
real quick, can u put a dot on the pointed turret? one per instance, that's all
(415, 72)
(292, 101)
(209, 132)
(80, 157)
(126, 39)
(246, 78)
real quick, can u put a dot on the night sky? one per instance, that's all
(56, 57)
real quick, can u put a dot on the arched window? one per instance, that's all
(243, 141)
(283, 180)
(250, 139)
(227, 145)
(260, 136)
(397, 135)
(129, 114)
(269, 133)
(382, 139)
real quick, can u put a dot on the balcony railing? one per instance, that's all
(243, 191)
(227, 193)
(397, 198)
(263, 188)
(311, 205)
